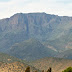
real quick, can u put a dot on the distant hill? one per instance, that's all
(31, 49)
(7, 58)
(57, 64)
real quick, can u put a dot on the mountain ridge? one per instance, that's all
(52, 30)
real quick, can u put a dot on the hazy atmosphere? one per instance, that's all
(57, 7)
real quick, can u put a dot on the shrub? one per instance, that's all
(69, 69)
(27, 69)
(49, 70)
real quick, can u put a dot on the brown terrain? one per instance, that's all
(14, 67)
(57, 64)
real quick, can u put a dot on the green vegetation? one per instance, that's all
(69, 69)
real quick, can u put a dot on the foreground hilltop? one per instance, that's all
(12, 64)
(15, 67)
(57, 64)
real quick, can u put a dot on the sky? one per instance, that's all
(57, 7)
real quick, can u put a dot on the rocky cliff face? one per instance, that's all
(42, 26)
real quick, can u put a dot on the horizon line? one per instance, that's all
(35, 13)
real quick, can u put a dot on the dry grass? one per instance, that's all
(57, 64)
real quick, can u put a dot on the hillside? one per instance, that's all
(62, 43)
(15, 67)
(12, 64)
(57, 64)
(42, 26)
(31, 49)
(7, 58)
(66, 54)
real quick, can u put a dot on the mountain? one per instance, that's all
(60, 44)
(42, 26)
(31, 49)
(32, 36)
(57, 64)
(66, 54)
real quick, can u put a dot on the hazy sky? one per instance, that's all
(57, 7)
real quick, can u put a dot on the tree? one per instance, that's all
(42, 70)
(49, 70)
(69, 69)
(27, 69)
